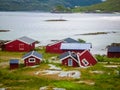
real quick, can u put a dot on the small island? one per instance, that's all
(96, 33)
(4, 30)
(56, 20)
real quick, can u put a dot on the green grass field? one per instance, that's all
(24, 78)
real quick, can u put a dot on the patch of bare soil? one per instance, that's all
(111, 66)
(88, 82)
(97, 72)
(51, 88)
(58, 72)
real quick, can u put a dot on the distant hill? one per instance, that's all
(42, 5)
(107, 6)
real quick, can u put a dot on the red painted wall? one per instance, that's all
(90, 59)
(55, 48)
(65, 62)
(19, 46)
(113, 54)
(14, 66)
(27, 63)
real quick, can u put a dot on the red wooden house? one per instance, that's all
(55, 47)
(23, 44)
(32, 58)
(86, 59)
(113, 52)
(83, 59)
(69, 59)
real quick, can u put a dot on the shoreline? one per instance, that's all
(65, 13)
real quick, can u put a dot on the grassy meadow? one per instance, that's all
(96, 77)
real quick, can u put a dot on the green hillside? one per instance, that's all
(107, 6)
(42, 5)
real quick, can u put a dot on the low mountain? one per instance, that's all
(41, 5)
(107, 6)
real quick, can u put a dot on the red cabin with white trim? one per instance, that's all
(86, 59)
(23, 44)
(32, 58)
(83, 59)
(69, 59)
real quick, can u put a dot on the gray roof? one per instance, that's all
(26, 40)
(75, 46)
(68, 54)
(70, 40)
(14, 61)
(32, 53)
(114, 49)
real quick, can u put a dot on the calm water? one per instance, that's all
(33, 24)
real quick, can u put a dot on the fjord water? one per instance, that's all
(34, 25)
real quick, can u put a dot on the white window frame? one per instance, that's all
(85, 62)
(32, 59)
(70, 62)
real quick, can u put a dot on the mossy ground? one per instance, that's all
(24, 78)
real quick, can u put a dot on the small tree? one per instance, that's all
(81, 41)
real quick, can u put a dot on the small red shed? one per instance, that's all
(23, 44)
(113, 52)
(69, 59)
(14, 64)
(32, 58)
(86, 59)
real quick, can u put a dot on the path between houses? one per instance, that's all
(4, 63)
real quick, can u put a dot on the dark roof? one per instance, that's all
(32, 53)
(68, 54)
(26, 40)
(64, 55)
(114, 49)
(75, 46)
(67, 40)
(14, 61)
(70, 40)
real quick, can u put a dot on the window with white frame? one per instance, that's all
(31, 59)
(70, 62)
(85, 62)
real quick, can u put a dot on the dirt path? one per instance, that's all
(4, 64)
